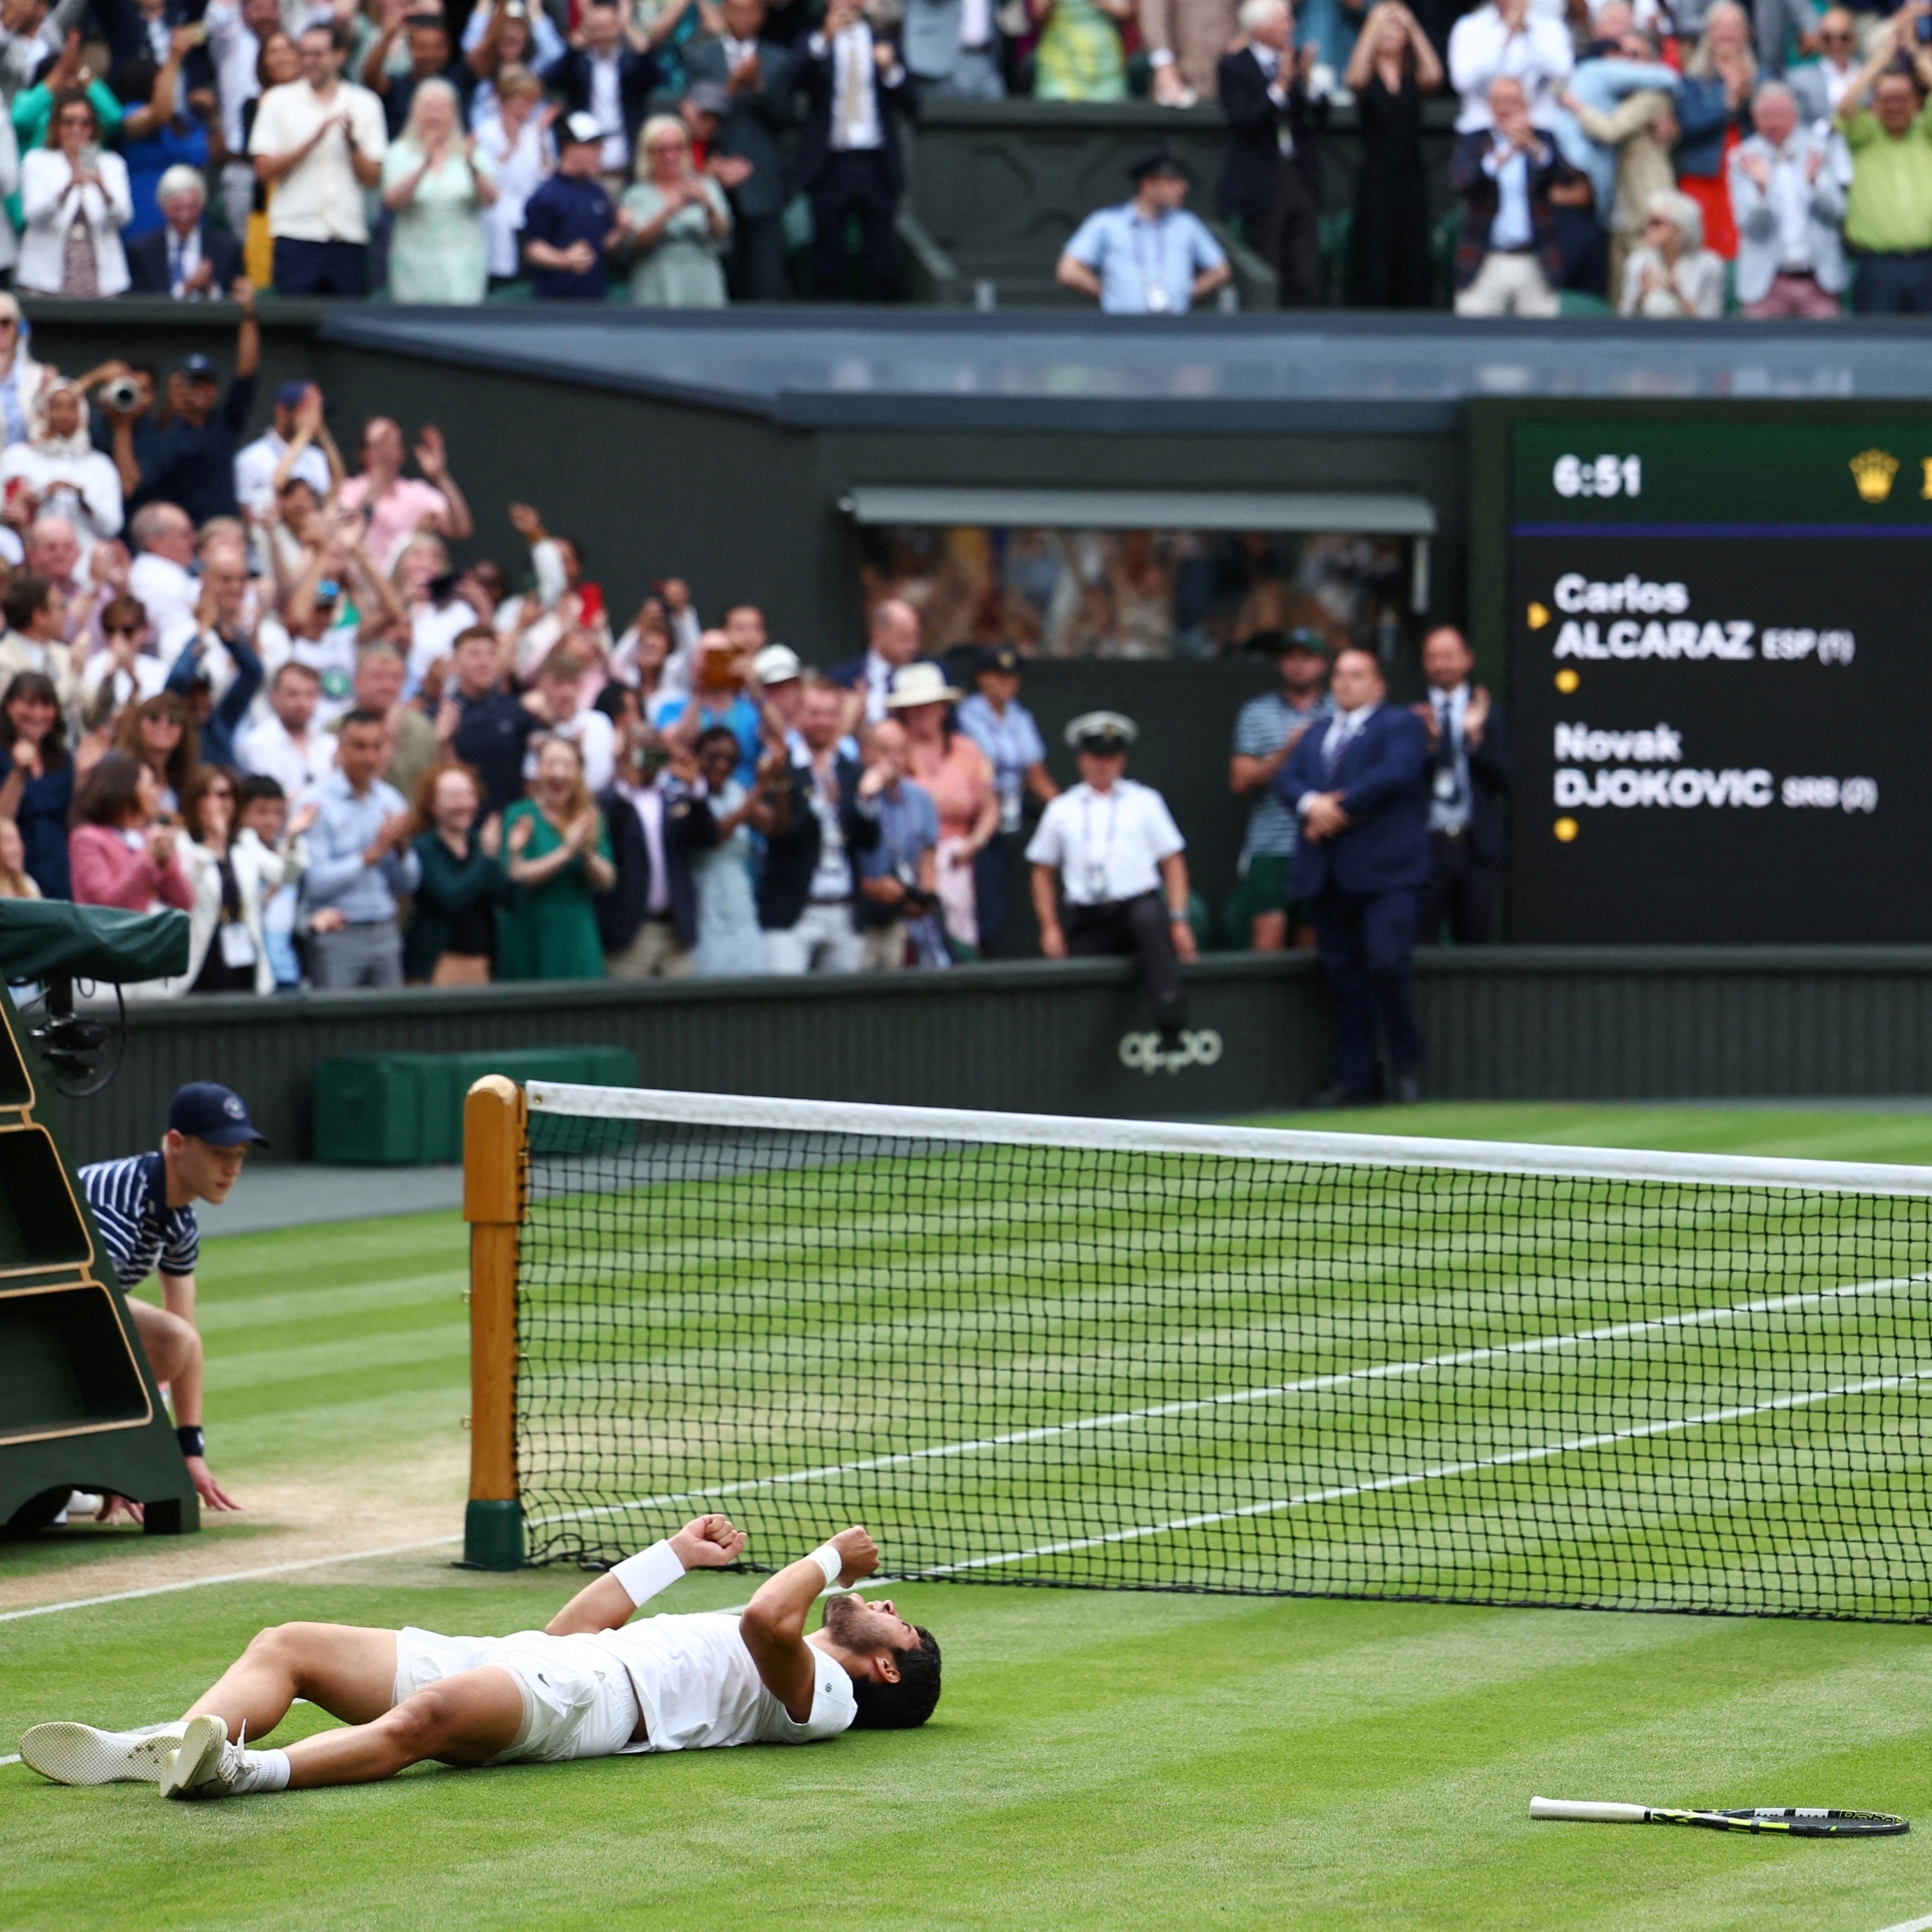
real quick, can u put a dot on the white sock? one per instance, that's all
(263, 1771)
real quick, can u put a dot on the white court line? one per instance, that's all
(1912, 1925)
(1542, 1452)
(1312, 1384)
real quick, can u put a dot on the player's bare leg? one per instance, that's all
(349, 1672)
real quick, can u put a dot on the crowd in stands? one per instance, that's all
(1667, 160)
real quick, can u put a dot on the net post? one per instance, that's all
(495, 1141)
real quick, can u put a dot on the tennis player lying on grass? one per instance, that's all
(585, 1687)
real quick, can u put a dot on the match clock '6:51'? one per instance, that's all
(1598, 476)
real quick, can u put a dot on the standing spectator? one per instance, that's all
(611, 82)
(452, 937)
(1149, 256)
(1889, 210)
(194, 461)
(569, 223)
(437, 181)
(75, 201)
(648, 920)
(21, 377)
(287, 745)
(1118, 852)
(268, 834)
(1508, 261)
(360, 860)
(1360, 790)
(53, 554)
(161, 576)
(1393, 67)
(1640, 132)
(117, 852)
(63, 474)
(1821, 85)
(959, 778)
(1003, 728)
(849, 164)
(36, 614)
(1506, 40)
(558, 702)
(1789, 205)
(479, 724)
(675, 223)
(559, 854)
(807, 892)
(16, 881)
(1267, 729)
(506, 42)
(413, 748)
(297, 436)
(224, 949)
(716, 815)
(892, 642)
(1078, 55)
(1185, 39)
(156, 733)
(163, 125)
(37, 778)
(899, 877)
(1713, 111)
(280, 63)
(746, 159)
(952, 49)
(1469, 764)
(121, 672)
(185, 255)
(1673, 277)
(514, 134)
(430, 59)
(319, 142)
(399, 507)
(237, 30)
(225, 627)
(718, 697)
(1272, 176)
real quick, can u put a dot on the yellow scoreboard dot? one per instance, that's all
(1568, 680)
(1566, 830)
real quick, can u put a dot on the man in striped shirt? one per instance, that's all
(144, 1207)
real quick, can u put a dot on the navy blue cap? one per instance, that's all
(289, 395)
(204, 1111)
(997, 657)
(197, 368)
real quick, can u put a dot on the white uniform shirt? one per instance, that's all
(1109, 846)
(319, 199)
(698, 1687)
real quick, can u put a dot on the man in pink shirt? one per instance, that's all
(399, 506)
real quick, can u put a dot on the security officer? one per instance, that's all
(1118, 851)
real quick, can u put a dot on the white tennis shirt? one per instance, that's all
(1108, 846)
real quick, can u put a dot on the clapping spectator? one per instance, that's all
(648, 920)
(1506, 40)
(1821, 85)
(397, 506)
(119, 852)
(437, 181)
(60, 471)
(1185, 39)
(430, 59)
(122, 671)
(715, 814)
(36, 613)
(1267, 730)
(193, 460)
(37, 779)
(498, 40)
(74, 199)
(480, 724)
(225, 627)
(746, 159)
(891, 641)
(237, 32)
(318, 141)
(1673, 277)
(288, 746)
(559, 854)
(1507, 258)
(674, 224)
(156, 735)
(611, 82)
(360, 862)
(1713, 111)
(226, 951)
(452, 937)
(278, 64)
(410, 740)
(898, 876)
(808, 887)
(557, 703)
(1889, 209)
(513, 132)
(296, 443)
(185, 255)
(163, 126)
(996, 720)
(1789, 205)
(1271, 178)
(1393, 67)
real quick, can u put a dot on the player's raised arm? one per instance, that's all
(773, 1623)
(705, 1543)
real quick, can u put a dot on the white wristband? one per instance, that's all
(648, 1572)
(829, 1560)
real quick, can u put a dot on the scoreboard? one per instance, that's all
(1719, 677)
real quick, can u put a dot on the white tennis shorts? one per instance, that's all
(577, 1699)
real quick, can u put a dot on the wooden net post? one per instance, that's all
(495, 1139)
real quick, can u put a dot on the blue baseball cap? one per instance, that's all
(289, 395)
(204, 1111)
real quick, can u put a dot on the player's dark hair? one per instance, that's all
(908, 1703)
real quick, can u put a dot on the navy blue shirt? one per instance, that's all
(564, 211)
(194, 465)
(493, 735)
(130, 1200)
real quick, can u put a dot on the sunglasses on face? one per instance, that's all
(122, 630)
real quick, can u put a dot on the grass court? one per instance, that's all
(1099, 1759)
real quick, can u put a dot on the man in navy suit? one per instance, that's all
(1469, 774)
(183, 257)
(1360, 789)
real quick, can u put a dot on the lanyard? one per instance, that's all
(1153, 282)
(1096, 868)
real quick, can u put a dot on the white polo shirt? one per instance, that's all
(319, 199)
(1108, 845)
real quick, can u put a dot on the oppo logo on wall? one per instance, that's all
(1143, 1052)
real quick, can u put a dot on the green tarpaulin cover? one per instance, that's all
(39, 938)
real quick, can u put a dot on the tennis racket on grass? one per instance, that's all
(1797, 1821)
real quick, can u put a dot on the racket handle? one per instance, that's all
(1583, 1813)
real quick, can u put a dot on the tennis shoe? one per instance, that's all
(205, 1765)
(71, 1753)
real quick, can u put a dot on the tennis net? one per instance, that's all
(1108, 1354)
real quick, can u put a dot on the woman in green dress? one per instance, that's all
(452, 937)
(1078, 55)
(676, 223)
(437, 182)
(560, 856)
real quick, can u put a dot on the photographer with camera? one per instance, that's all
(898, 878)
